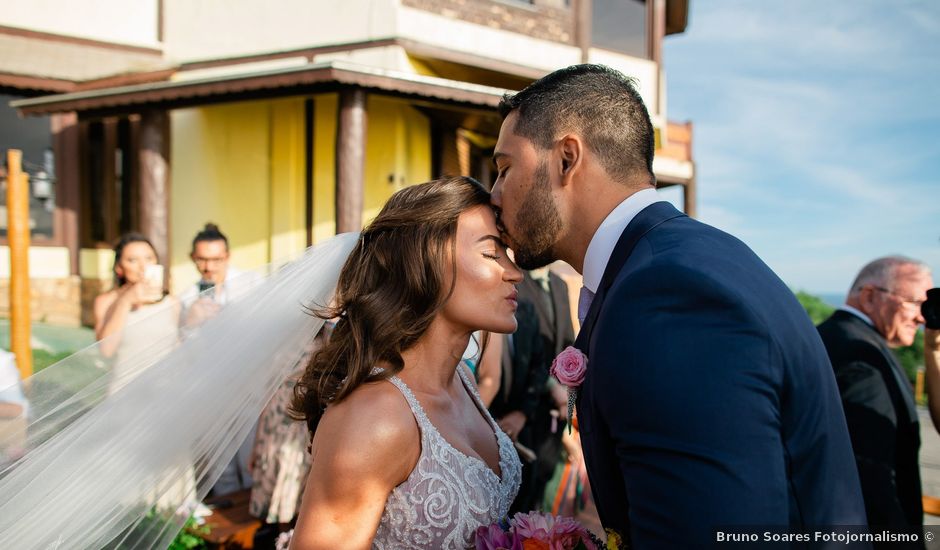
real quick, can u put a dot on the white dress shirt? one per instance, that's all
(606, 237)
(857, 313)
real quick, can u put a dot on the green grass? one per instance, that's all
(42, 358)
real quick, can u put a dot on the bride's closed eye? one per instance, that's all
(492, 256)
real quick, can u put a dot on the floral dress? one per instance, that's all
(280, 459)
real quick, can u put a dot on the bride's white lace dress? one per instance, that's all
(448, 494)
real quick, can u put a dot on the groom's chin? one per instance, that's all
(532, 261)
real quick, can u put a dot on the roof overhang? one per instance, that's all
(677, 16)
(294, 80)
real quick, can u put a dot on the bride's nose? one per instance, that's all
(512, 273)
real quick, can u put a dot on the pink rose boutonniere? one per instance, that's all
(569, 368)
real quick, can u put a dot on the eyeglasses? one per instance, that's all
(911, 304)
(208, 261)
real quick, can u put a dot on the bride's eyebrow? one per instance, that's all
(493, 238)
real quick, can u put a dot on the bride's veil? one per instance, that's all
(123, 466)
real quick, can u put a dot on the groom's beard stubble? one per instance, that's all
(537, 224)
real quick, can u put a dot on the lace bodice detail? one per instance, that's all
(448, 494)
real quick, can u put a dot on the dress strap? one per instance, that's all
(416, 408)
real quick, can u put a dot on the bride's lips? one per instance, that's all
(513, 298)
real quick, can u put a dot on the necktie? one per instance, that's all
(546, 296)
(584, 303)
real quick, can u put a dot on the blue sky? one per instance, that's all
(817, 129)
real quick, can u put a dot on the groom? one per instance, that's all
(709, 402)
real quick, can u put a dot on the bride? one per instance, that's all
(405, 455)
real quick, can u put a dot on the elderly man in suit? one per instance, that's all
(708, 399)
(882, 312)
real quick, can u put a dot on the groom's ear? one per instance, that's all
(571, 155)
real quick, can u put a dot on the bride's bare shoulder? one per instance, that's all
(374, 414)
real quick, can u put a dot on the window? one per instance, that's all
(32, 136)
(620, 25)
(109, 191)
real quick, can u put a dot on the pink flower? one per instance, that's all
(566, 533)
(492, 537)
(570, 367)
(560, 533)
(533, 525)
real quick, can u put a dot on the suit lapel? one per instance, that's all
(643, 223)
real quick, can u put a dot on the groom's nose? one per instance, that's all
(496, 195)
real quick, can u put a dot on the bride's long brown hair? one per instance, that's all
(391, 287)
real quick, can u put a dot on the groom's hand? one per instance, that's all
(512, 424)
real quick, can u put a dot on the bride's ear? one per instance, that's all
(570, 156)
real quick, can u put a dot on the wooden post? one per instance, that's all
(154, 162)
(18, 239)
(66, 144)
(656, 29)
(463, 154)
(688, 198)
(584, 13)
(350, 159)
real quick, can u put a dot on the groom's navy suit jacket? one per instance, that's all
(709, 400)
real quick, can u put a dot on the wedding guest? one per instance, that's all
(279, 460)
(931, 313)
(14, 409)
(220, 284)
(549, 293)
(523, 376)
(134, 301)
(881, 312)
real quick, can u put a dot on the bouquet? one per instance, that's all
(539, 531)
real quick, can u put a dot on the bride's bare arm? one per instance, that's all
(363, 448)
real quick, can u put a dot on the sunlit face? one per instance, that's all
(211, 259)
(484, 296)
(895, 311)
(135, 257)
(523, 196)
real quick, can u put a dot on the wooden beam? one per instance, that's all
(18, 239)
(65, 145)
(350, 159)
(154, 164)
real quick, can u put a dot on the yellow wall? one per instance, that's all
(398, 151)
(398, 147)
(324, 162)
(240, 166)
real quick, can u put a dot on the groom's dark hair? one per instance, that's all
(597, 102)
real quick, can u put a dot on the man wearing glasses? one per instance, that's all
(881, 312)
(220, 284)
